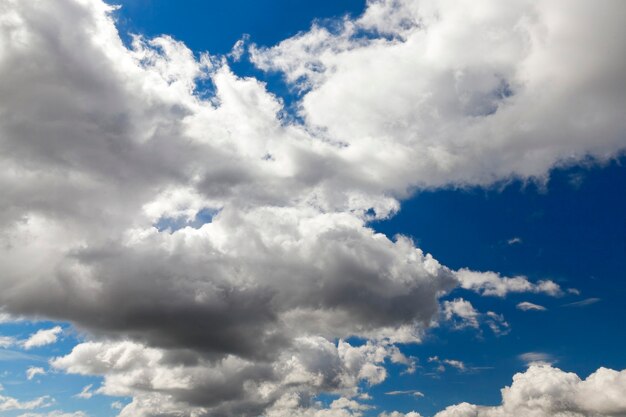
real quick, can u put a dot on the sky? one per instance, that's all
(279, 208)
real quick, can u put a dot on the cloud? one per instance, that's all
(463, 310)
(462, 314)
(270, 257)
(544, 391)
(583, 303)
(491, 283)
(56, 413)
(33, 371)
(10, 403)
(86, 392)
(532, 358)
(528, 306)
(514, 241)
(42, 337)
(7, 341)
(412, 392)
(454, 363)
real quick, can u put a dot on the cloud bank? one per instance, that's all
(104, 146)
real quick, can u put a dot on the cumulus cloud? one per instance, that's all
(492, 283)
(42, 337)
(217, 238)
(544, 391)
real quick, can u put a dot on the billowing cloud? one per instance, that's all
(544, 391)
(215, 246)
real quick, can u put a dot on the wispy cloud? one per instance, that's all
(412, 392)
(584, 303)
(528, 306)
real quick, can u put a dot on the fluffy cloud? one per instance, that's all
(217, 247)
(491, 283)
(42, 337)
(544, 391)
(464, 93)
(230, 384)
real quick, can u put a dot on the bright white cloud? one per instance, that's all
(42, 337)
(491, 283)
(544, 391)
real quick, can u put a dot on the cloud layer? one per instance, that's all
(104, 148)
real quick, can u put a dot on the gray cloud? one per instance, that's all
(100, 142)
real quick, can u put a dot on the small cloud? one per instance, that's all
(33, 371)
(514, 241)
(42, 337)
(537, 358)
(412, 392)
(6, 341)
(363, 396)
(455, 364)
(583, 303)
(573, 291)
(527, 306)
(497, 324)
(86, 393)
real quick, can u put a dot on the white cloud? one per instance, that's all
(7, 341)
(399, 414)
(544, 391)
(528, 306)
(463, 310)
(100, 142)
(42, 337)
(33, 371)
(491, 283)
(10, 403)
(86, 392)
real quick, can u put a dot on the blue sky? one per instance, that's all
(556, 217)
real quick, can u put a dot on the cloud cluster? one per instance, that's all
(544, 391)
(216, 249)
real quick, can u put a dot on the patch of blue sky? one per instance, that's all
(172, 224)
